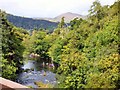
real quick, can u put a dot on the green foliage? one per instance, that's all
(39, 43)
(87, 50)
(12, 47)
(62, 23)
(75, 23)
(89, 59)
(55, 51)
(41, 46)
(30, 23)
(8, 69)
(73, 65)
(108, 73)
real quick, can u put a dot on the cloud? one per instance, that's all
(47, 8)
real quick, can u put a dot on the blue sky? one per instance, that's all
(48, 8)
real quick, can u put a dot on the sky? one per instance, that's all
(48, 8)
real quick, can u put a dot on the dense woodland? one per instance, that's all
(87, 50)
(30, 24)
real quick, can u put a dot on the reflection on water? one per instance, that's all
(29, 64)
(35, 72)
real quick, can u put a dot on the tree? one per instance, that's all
(87, 58)
(12, 48)
(74, 24)
(62, 23)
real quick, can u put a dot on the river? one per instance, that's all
(34, 71)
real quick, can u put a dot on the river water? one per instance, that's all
(34, 71)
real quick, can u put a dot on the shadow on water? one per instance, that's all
(37, 71)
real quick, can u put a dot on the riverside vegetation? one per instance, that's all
(87, 50)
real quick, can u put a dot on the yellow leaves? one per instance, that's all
(98, 81)
(42, 85)
(110, 61)
(107, 74)
(92, 50)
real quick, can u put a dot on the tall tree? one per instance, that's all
(12, 48)
(62, 23)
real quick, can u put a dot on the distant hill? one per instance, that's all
(46, 23)
(30, 23)
(68, 17)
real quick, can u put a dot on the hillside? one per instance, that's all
(29, 23)
(68, 17)
(83, 54)
(46, 23)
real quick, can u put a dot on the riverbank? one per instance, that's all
(34, 72)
